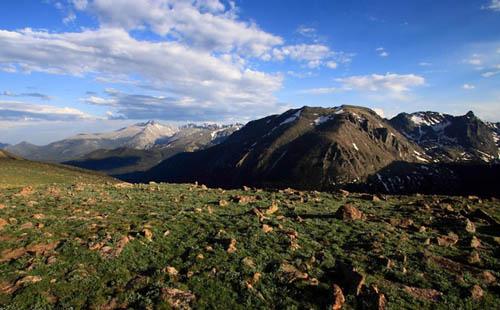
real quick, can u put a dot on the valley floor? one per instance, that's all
(159, 246)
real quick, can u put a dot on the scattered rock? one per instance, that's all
(259, 214)
(246, 188)
(7, 288)
(38, 216)
(223, 203)
(123, 185)
(474, 258)
(25, 191)
(248, 261)
(177, 299)
(423, 293)
(3, 223)
(171, 271)
(338, 297)
(252, 281)
(402, 223)
(121, 245)
(148, 234)
(349, 212)
(289, 273)
(51, 260)
(42, 248)
(10, 254)
(243, 200)
(352, 278)
(476, 292)
(232, 246)
(266, 228)
(27, 225)
(28, 279)
(449, 240)
(475, 242)
(488, 277)
(343, 193)
(469, 226)
(273, 208)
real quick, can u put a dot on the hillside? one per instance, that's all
(348, 147)
(162, 246)
(15, 171)
(307, 148)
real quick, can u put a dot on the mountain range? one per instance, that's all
(134, 148)
(349, 147)
(311, 148)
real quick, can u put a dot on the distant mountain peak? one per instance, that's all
(148, 123)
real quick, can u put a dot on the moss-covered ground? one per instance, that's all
(155, 246)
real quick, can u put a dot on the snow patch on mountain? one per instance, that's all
(292, 118)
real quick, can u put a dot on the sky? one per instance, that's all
(71, 66)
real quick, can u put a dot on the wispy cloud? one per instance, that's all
(35, 95)
(22, 111)
(390, 85)
(382, 52)
(494, 5)
(396, 86)
(468, 86)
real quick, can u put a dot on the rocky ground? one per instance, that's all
(111, 246)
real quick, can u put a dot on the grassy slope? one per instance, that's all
(19, 172)
(190, 233)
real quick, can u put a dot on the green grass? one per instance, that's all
(191, 233)
(19, 172)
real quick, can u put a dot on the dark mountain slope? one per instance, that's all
(448, 138)
(306, 148)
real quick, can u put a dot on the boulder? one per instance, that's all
(349, 212)
(338, 297)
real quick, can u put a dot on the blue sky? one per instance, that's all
(70, 66)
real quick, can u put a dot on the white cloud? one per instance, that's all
(468, 86)
(22, 111)
(382, 52)
(70, 18)
(331, 64)
(300, 75)
(80, 4)
(306, 52)
(314, 55)
(492, 71)
(394, 85)
(95, 100)
(475, 60)
(424, 64)
(168, 66)
(32, 94)
(494, 5)
(206, 25)
(489, 74)
(309, 32)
